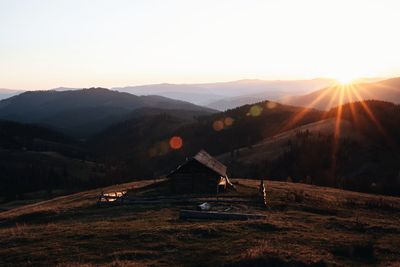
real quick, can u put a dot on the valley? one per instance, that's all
(199, 133)
(122, 137)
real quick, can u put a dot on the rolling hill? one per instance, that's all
(193, 93)
(227, 95)
(357, 151)
(34, 158)
(252, 91)
(237, 101)
(143, 143)
(263, 139)
(325, 99)
(306, 226)
(220, 95)
(274, 147)
(137, 146)
(272, 140)
(83, 112)
(14, 135)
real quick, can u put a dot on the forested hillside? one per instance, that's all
(85, 112)
(359, 152)
(363, 155)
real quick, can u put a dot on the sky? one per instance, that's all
(84, 43)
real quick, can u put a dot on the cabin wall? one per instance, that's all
(194, 177)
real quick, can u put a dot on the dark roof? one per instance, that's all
(210, 162)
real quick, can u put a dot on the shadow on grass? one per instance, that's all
(263, 226)
(273, 261)
(363, 252)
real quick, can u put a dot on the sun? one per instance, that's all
(345, 79)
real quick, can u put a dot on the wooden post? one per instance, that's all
(263, 193)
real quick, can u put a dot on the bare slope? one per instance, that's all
(307, 226)
(273, 147)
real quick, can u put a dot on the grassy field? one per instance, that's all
(306, 226)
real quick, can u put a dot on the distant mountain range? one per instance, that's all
(227, 95)
(128, 136)
(331, 96)
(84, 112)
(6, 93)
(232, 94)
(223, 95)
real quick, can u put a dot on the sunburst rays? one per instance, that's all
(350, 100)
(331, 100)
(337, 129)
(300, 115)
(341, 94)
(371, 115)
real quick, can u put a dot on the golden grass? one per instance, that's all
(322, 227)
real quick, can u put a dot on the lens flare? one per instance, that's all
(255, 111)
(163, 148)
(270, 105)
(228, 121)
(218, 125)
(176, 142)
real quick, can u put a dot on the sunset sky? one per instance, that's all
(83, 43)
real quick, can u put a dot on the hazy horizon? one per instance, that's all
(48, 44)
(359, 79)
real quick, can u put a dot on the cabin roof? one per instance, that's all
(206, 160)
(212, 163)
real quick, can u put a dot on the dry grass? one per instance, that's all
(307, 226)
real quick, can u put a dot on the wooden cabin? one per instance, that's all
(199, 174)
